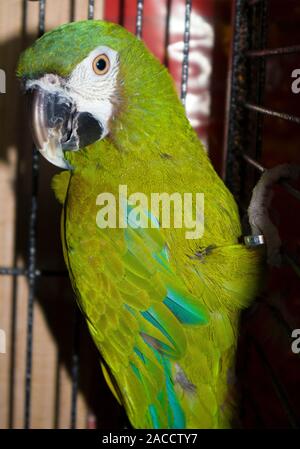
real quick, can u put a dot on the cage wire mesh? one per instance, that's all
(245, 98)
(243, 152)
(246, 93)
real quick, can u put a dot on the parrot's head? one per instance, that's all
(87, 81)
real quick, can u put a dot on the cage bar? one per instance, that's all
(91, 9)
(186, 50)
(6, 271)
(42, 12)
(254, 163)
(257, 84)
(272, 113)
(139, 18)
(236, 118)
(266, 52)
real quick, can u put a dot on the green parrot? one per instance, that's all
(162, 309)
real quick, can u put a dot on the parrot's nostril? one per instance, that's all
(52, 79)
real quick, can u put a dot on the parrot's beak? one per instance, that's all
(57, 126)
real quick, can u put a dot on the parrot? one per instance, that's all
(162, 309)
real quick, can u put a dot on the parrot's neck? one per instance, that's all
(144, 137)
(161, 129)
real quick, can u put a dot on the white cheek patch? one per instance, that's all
(94, 93)
(49, 82)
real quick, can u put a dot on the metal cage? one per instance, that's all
(245, 138)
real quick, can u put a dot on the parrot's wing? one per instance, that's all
(144, 353)
(163, 362)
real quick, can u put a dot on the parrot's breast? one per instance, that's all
(164, 322)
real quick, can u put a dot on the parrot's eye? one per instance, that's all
(101, 64)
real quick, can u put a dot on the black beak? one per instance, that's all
(57, 126)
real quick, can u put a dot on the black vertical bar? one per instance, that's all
(236, 119)
(57, 391)
(121, 12)
(167, 33)
(139, 18)
(186, 50)
(91, 10)
(75, 368)
(72, 10)
(260, 67)
(12, 355)
(247, 80)
(32, 257)
(32, 286)
(255, 93)
(42, 12)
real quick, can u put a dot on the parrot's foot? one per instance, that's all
(259, 218)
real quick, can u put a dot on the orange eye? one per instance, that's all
(101, 65)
